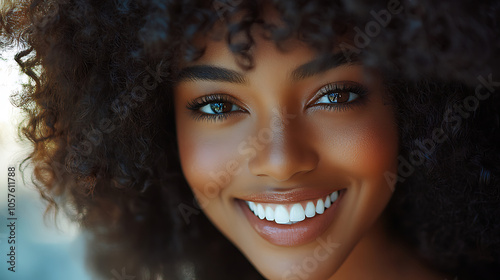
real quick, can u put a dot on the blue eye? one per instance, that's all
(338, 96)
(215, 108)
(335, 96)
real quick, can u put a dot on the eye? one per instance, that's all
(214, 107)
(219, 108)
(339, 95)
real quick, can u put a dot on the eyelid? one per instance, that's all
(198, 102)
(341, 86)
(344, 86)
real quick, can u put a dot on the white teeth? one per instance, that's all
(320, 207)
(252, 206)
(328, 203)
(297, 213)
(269, 214)
(260, 211)
(281, 215)
(334, 196)
(310, 210)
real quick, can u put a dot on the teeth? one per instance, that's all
(260, 211)
(269, 214)
(334, 196)
(320, 207)
(281, 215)
(310, 210)
(252, 206)
(297, 213)
(328, 203)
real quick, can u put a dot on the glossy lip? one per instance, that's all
(295, 234)
(289, 196)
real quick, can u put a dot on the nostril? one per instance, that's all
(284, 166)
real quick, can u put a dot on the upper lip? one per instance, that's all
(288, 196)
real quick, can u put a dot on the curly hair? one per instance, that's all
(100, 117)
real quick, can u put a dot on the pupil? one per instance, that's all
(333, 97)
(338, 97)
(220, 108)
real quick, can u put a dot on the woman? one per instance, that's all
(346, 140)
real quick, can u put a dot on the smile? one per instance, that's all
(292, 218)
(292, 213)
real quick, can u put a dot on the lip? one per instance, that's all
(295, 234)
(289, 196)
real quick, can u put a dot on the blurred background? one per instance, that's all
(43, 251)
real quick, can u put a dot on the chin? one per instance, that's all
(285, 241)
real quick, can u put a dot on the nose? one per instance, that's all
(286, 152)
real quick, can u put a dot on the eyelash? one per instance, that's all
(357, 89)
(196, 104)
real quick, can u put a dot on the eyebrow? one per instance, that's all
(322, 64)
(211, 73)
(220, 74)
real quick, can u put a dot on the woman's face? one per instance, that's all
(306, 148)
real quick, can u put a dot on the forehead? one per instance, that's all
(218, 52)
(216, 46)
(292, 59)
(288, 55)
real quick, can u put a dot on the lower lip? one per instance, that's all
(296, 234)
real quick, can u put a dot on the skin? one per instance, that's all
(311, 147)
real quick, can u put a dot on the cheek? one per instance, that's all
(365, 149)
(207, 162)
(373, 147)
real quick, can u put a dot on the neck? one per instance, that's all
(378, 256)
